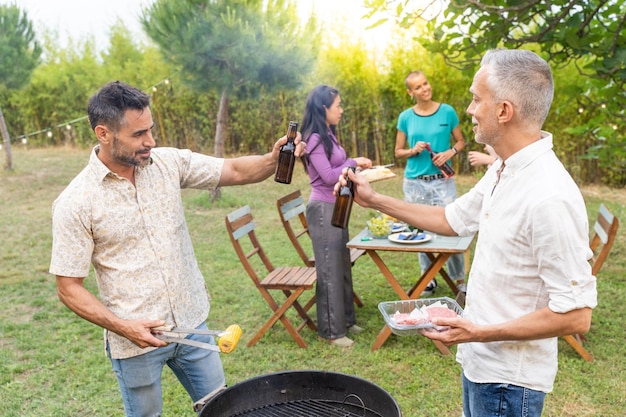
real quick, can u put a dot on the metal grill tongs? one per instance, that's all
(226, 343)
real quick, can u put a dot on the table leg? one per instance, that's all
(388, 275)
(382, 337)
(435, 266)
(443, 272)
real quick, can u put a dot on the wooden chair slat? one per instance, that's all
(292, 281)
(605, 231)
(290, 207)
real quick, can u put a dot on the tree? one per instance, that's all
(233, 47)
(588, 34)
(19, 55)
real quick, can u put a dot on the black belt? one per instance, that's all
(430, 177)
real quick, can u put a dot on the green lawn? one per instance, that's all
(52, 363)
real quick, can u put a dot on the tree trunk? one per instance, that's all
(221, 132)
(378, 143)
(7, 143)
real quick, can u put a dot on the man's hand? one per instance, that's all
(539, 324)
(460, 331)
(300, 146)
(363, 191)
(141, 332)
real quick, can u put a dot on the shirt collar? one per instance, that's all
(97, 166)
(528, 154)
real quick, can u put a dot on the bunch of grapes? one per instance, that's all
(379, 226)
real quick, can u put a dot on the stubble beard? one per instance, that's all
(118, 153)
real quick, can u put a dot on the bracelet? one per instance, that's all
(454, 150)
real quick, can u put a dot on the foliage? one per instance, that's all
(589, 35)
(19, 55)
(371, 83)
(243, 47)
(19, 50)
(348, 67)
(52, 362)
(61, 86)
(230, 45)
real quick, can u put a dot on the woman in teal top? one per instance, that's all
(429, 122)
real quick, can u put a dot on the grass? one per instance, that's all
(52, 363)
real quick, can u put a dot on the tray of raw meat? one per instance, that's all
(409, 317)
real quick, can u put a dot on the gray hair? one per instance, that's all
(524, 79)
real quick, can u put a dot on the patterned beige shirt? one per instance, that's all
(137, 239)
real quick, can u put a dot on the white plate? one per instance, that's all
(395, 237)
(399, 227)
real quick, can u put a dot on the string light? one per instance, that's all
(68, 125)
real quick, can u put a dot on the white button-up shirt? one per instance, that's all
(532, 251)
(137, 239)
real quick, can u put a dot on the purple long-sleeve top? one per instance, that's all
(323, 172)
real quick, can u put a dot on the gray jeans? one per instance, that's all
(439, 192)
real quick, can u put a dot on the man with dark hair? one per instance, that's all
(124, 214)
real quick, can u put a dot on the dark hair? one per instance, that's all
(108, 105)
(314, 119)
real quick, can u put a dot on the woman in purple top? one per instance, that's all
(325, 159)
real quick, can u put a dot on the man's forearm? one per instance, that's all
(247, 169)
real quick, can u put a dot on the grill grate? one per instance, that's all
(310, 408)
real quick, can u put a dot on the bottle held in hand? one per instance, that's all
(445, 169)
(343, 204)
(287, 157)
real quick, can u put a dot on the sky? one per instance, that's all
(80, 18)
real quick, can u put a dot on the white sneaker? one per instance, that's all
(430, 288)
(355, 329)
(462, 287)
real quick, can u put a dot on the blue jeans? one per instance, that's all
(440, 193)
(198, 370)
(500, 400)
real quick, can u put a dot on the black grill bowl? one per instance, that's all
(302, 393)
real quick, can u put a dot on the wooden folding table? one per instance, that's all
(438, 249)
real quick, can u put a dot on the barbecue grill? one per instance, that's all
(302, 394)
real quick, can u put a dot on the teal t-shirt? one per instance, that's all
(435, 129)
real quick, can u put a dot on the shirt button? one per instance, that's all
(574, 282)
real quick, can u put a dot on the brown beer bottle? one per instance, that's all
(287, 157)
(343, 204)
(445, 169)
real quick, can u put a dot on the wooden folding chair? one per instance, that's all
(291, 207)
(605, 230)
(292, 281)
